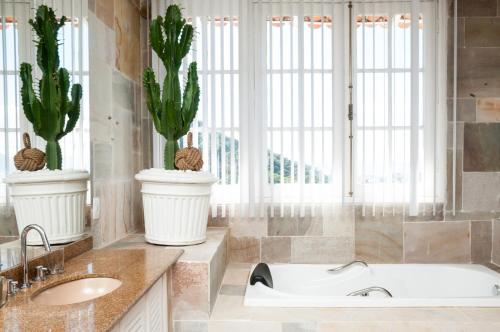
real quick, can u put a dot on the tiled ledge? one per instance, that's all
(197, 275)
(229, 314)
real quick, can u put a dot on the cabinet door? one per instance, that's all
(150, 314)
(135, 319)
(156, 306)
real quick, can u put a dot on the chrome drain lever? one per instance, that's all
(367, 291)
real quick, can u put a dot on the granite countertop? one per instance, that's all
(138, 270)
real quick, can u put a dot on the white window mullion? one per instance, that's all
(301, 168)
(363, 178)
(270, 115)
(16, 80)
(222, 133)
(6, 97)
(232, 179)
(373, 110)
(293, 22)
(390, 101)
(414, 140)
(213, 119)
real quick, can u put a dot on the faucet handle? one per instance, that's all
(40, 273)
(11, 287)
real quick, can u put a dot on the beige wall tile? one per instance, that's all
(217, 269)
(495, 253)
(340, 222)
(475, 8)
(104, 10)
(466, 109)
(127, 28)
(481, 148)
(460, 135)
(437, 242)
(481, 191)
(458, 179)
(190, 297)
(488, 109)
(244, 249)
(481, 241)
(237, 274)
(276, 249)
(482, 32)
(477, 72)
(322, 249)
(379, 241)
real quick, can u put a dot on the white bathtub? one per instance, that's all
(411, 285)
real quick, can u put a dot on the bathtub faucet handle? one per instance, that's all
(345, 266)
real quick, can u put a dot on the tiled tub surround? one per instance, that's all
(388, 236)
(378, 236)
(196, 276)
(137, 269)
(230, 314)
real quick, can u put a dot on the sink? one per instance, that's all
(77, 291)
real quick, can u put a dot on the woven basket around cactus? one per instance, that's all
(28, 158)
(189, 158)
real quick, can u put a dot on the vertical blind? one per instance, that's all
(272, 121)
(16, 45)
(400, 133)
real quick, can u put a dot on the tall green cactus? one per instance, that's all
(171, 40)
(51, 112)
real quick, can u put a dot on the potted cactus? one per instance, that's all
(52, 197)
(175, 201)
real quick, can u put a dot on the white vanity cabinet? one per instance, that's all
(150, 313)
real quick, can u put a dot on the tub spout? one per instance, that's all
(343, 267)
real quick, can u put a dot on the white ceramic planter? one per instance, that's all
(54, 200)
(175, 205)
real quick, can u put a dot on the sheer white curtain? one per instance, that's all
(399, 108)
(16, 46)
(300, 71)
(272, 121)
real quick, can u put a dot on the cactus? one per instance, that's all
(172, 114)
(51, 112)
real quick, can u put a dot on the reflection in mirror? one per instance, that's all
(17, 46)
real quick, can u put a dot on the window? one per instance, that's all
(387, 115)
(17, 47)
(273, 124)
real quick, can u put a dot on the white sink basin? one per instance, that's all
(76, 291)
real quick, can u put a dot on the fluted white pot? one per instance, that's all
(54, 200)
(175, 205)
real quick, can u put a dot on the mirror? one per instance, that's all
(16, 47)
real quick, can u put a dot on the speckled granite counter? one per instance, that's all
(138, 269)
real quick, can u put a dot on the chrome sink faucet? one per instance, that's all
(24, 256)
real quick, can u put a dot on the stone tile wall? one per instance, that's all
(387, 235)
(372, 236)
(478, 115)
(120, 130)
